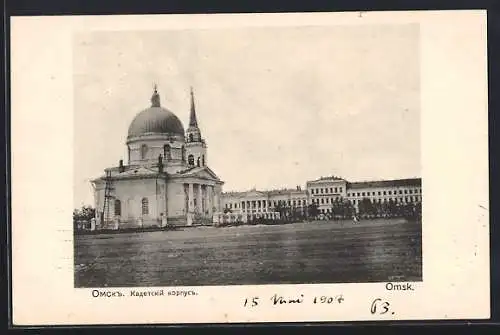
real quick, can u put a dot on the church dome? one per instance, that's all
(156, 120)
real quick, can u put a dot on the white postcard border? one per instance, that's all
(454, 174)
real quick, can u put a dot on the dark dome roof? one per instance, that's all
(156, 119)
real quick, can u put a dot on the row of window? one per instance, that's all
(144, 207)
(334, 190)
(321, 201)
(395, 192)
(167, 154)
(325, 190)
(199, 161)
(379, 200)
(262, 203)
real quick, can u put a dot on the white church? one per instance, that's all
(166, 179)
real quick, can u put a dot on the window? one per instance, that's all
(203, 160)
(331, 190)
(190, 137)
(166, 152)
(340, 189)
(336, 189)
(198, 162)
(385, 193)
(322, 190)
(390, 192)
(144, 151)
(118, 208)
(145, 206)
(400, 192)
(191, 160)
(406, 191)
(358, 194)
(363, 194)
(411, 191)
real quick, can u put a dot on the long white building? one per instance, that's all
(324, 192)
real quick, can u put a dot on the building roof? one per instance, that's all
(326, 179)
(155, 120)
(385, 183)
(265, 193)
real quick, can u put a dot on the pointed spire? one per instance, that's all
(192, 118)
(155, 99)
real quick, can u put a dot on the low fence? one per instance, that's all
(225, 219)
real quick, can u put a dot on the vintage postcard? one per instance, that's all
(249, 168)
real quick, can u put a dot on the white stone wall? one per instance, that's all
(197, 149)
(176, 200)
(155, 148)
(408, 194)
(268, 202)
(334, 188)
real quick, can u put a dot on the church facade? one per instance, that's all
(166, 179)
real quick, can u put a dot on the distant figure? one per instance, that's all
(355, 219)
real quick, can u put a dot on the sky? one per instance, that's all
(277, 106)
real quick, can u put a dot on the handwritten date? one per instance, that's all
(277, 300)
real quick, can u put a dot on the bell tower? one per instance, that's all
(196, 149)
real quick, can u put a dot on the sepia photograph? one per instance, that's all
(247, 156)
(249, 168)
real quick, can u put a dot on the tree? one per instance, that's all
(377, 209)
(85, 213)
(337, 208)
(312, 210)
(365, 207)
(392, 208)
(280, 209)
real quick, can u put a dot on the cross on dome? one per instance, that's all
(155, 98)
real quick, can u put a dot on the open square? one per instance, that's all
(306, 253)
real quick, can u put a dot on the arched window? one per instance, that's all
(144, 151)
(191, 160)
(198, 161)
(166, 152)
(118, 207)
(145, 206)
(183, 153)
(191, 139)
(203, 160)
